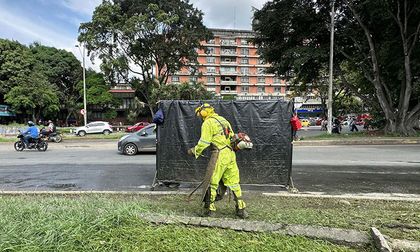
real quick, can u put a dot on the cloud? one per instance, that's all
(228, 14)
(26, 28)
(85, 7)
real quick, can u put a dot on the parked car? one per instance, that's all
(94, 128)
(136, 127)
(142, 140)
(305, 122)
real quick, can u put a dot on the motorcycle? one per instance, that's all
(38, 143)
(51, 137)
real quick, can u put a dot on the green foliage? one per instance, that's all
(15, 60)
(152, 36)
(63, 71)
(376, 50)
(33, 95)
(344, 104)
(183, 91)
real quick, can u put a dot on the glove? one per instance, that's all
(191, 151)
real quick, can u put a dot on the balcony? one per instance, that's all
(227, 53)
(228, 63)
(228, 92)
(229, 72)
(233, 83)
(228, 43)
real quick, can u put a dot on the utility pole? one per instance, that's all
(330, 87)
(84, 83)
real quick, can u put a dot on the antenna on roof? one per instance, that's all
(234, 17)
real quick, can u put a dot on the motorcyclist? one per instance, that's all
(51, 127)
(30, 133)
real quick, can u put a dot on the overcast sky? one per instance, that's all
(56, 22)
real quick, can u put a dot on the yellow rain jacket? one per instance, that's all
(226, 168)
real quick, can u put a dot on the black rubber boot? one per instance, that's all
(206, 199)
(241, 213)
(208, 213)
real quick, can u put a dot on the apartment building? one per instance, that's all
(229, 65)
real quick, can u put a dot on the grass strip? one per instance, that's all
(110, 223)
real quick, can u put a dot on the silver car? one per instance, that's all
(140, 141)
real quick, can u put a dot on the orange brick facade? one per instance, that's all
(230, 65)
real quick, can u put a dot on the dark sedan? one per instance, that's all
(140, 141)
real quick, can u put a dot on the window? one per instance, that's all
(261, 89)
(193, 79)
(261, 70)
(261, 61)
(210, 50)
(245, 61)
(244, 70)
(211, 41)
(211, 80)
(244, 42)
(175, 78)
(211, 69)
(244, 51)
(277, 89)
(245, 89)
(211, 60)
(245, 79)
(276, 80)
(261, 80)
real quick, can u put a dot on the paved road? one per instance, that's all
(97, 166)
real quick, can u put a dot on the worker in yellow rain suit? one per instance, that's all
(217, 132)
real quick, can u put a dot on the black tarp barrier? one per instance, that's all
(267, 122)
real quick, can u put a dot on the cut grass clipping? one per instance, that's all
(111, 223)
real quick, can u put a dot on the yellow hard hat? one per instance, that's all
(204, 110)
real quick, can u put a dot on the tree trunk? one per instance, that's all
(399, 126)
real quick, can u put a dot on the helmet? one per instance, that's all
(30, 123)
(204, 110)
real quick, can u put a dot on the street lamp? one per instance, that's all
(330, 89)
(84, 83)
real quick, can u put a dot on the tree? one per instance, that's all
(33, 95)
(63, 71)
(97, 93)
(150, 39)
(376, 50)
(15, 60)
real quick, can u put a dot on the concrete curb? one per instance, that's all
(362, 141)
(368, 196)
(404, 245)
(379, 240)
(335, 235)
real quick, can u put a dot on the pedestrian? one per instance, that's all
(217, 132)
(352, 125)
(324, 124)
(296, 125)
(336, 127)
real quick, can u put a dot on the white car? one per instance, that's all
(94, 128)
